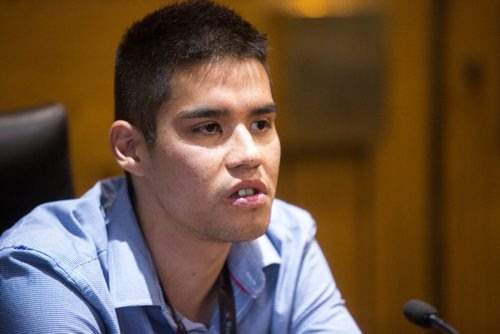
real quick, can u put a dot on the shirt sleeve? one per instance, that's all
(34, 299)
(318, 304)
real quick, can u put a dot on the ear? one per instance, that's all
(128, 147)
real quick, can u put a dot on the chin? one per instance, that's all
(250, 236)
(251, 231)
(248, 231)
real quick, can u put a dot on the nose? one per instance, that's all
(243, 152)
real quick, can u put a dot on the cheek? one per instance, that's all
(273, 157)
(191, 170)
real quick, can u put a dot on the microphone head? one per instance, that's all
(419, 312)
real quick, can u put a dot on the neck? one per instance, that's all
(188, 267)
(190, 282)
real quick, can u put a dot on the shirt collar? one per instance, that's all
(247, 261)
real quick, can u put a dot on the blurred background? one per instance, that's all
(389, 115)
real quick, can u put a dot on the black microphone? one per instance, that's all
(425, 315)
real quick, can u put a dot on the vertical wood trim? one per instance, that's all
(437, 116)
(401, 170)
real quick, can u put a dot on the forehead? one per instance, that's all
(247, 72)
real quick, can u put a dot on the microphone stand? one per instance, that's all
(438, 322)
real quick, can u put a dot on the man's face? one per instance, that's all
(214, 167)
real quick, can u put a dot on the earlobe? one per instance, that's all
(126, 143)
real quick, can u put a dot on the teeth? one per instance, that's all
(246, 192)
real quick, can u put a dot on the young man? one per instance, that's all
(192, 240)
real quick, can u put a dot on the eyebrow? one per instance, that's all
(220, 113)
(203, 113)
(266, 109)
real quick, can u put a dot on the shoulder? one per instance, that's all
(290, 225)
(67, 232)
(59, 249)
(288, 218)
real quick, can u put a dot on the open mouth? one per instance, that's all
(246, 192)
(248, 197)
(249, 194)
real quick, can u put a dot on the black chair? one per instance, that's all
(34, 160)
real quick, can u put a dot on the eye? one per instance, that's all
(208, 129)
(260, 125)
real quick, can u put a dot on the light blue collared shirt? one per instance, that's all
(83, 266)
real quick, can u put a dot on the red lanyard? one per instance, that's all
(227, 314)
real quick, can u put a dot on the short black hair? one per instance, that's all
(168, 40)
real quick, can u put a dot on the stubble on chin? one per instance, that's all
(243, 229)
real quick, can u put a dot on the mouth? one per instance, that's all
(245, 192)
(249, 194)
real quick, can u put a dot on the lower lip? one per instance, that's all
(253, 201)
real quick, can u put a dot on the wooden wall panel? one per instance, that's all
(471, 171)
(401, 170)
(63, 51)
